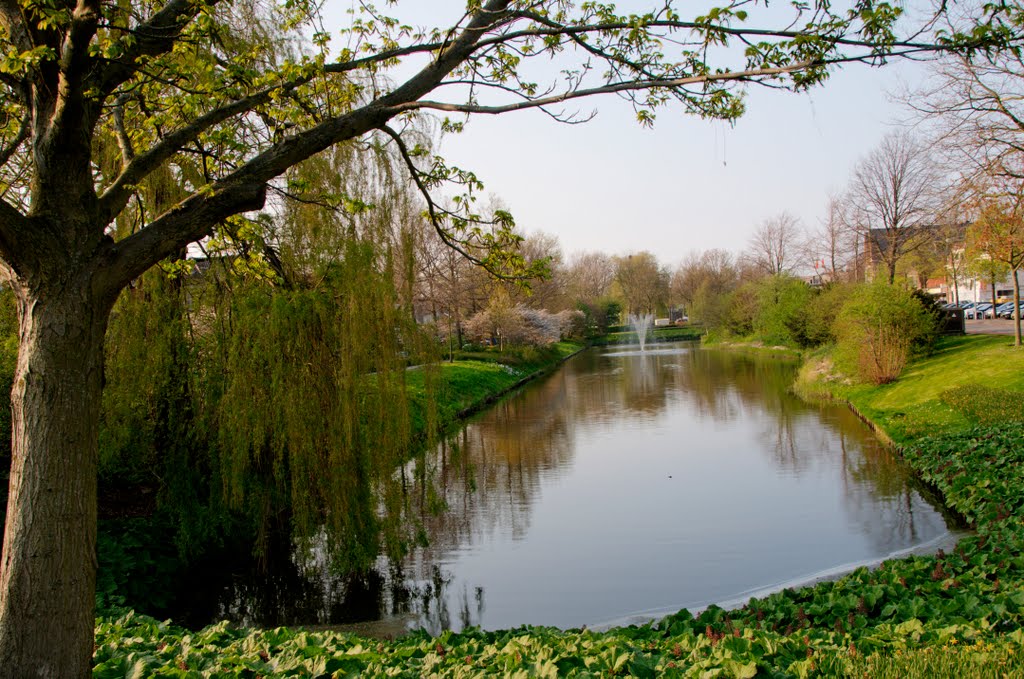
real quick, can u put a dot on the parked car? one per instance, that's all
(1003, 309)
(978, 310)
(1008, 312)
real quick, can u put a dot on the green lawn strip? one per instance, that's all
(911, 407)
(903, 617)
(670, 334)
(477, 378)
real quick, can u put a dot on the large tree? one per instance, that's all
(894, 193)
(221, 97)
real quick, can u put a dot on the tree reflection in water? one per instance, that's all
(565, 451)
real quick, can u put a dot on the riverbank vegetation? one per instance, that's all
(263, 265)
(957, 611)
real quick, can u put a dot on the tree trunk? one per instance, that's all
(1016, 309)
(48, 574)
(993, 299)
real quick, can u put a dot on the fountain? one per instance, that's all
(640, 323)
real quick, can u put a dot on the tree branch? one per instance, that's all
(609, 89)
(186, 222)
(154, 37)
(116, 196)
(12, 148)
(12, 20)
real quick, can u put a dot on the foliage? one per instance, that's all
(821, 312)
(599, 316)
(985, 405)
(876, 329)
(781, 317)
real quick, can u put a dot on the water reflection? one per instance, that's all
(624, 482)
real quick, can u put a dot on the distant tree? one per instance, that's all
(547, 290)
(644, 283)
(702, 282)
(773, 247)
(831, 249)
(893, 193)
(589, 276)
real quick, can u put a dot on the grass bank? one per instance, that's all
(670, 334)
(912, 406)
(956, 614)
(476, 379)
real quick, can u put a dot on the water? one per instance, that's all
(626, 485)
(641, 323)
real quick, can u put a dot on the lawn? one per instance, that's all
(911, 406)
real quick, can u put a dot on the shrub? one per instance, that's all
(781, 316)
(876, 329)
(821, 312)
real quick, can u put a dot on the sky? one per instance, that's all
(687, 184)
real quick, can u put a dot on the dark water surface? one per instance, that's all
(625, 484)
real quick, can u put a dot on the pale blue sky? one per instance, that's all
(685, 185)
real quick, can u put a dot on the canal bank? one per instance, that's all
(906, 615)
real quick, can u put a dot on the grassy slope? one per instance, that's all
(910, 407)
(957, 614)
(474, 380)
(669, 334)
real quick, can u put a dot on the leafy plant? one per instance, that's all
(876, 329)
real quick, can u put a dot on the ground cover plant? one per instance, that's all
(958, 613)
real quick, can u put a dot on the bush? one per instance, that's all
(821, 312)
(877, 328)
(781, 316)
(985, 405)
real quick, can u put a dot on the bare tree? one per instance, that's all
(976, 107)
(702, 282)
(773, 247)
(547, 291)
(892, 192)
(643, 281)
(589, 276)
(831, 248)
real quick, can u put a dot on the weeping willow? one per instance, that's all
(270, 389)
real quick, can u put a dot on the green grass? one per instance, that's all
(477, 378)
(912, 405)
(670, 334)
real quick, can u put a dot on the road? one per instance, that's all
(989, 326)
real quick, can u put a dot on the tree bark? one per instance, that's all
(1016, 308)
(48, 573)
